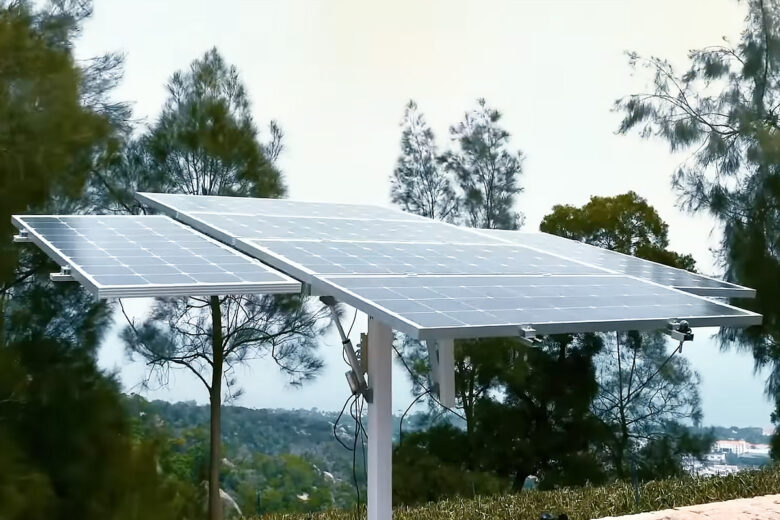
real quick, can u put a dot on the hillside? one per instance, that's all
(275, 460)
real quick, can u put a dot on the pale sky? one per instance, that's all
(336, 75)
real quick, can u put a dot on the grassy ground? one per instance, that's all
(582, 503)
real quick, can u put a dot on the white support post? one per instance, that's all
(441, 355)
(380, 421)
(446, 367)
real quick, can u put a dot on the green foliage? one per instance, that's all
(544, 425)
(282, 483)
(645, 394)
(63, 429)
(487, 172)
(205, 142)
(429, 466)
(584, 503)
(625, 223)
(724, 109)
(275, 455)
(419, 184)
(644, 391)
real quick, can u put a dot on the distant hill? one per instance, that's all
(247, 431)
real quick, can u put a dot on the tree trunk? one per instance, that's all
(215, 396)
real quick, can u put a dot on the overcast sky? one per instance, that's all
(337, 75)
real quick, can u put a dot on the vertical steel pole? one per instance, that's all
(380, 421)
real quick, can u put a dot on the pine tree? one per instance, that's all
(487, 171)
(419, 184)
(724, 109)
(205, 142)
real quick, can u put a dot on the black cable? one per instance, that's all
(336, 423)
(427, 390)
(362, 444)
(354, 457)
(401, 424)
(354, 317)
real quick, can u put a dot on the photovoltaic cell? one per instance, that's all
(125, 255)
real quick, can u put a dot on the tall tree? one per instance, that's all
(67, 450)
(488, 182)
(419, 183)
(644, 391)
(49, 135)
(487, 171)
(645, 396)
(724, 109)
(205, 142)
(543, 426)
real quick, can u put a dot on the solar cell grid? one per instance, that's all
(264, 227)
(149, 255)
(457, 306)
(332, 257)
(273, 207)
(625, 264)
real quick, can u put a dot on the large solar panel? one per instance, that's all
(387, 265)
(430, 307)
(625, 264)
(135, 256)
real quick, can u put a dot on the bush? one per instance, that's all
(585, 502)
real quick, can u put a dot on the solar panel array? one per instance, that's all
(431, 279)
(125, 256)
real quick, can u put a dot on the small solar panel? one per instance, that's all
(135, 256)
(625, 264)
(430, 307)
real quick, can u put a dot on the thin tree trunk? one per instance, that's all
(215, 502)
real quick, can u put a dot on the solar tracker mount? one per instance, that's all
(431, 280)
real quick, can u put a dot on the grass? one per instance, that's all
(581, 503)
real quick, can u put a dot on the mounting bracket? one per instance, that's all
(679, 331)
(528, 336)
(63, 276)
(23, 237)
(355, 377)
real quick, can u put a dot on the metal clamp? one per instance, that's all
(23, 237)
(64, 275)
(680, 331)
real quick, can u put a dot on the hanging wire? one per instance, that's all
(401, 423)
(424, 387)
(336, 423)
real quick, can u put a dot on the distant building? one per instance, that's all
(740, 448)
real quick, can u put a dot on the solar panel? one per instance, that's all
(430, 307)
(625, 264)
(135, 256)
(337, 250)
